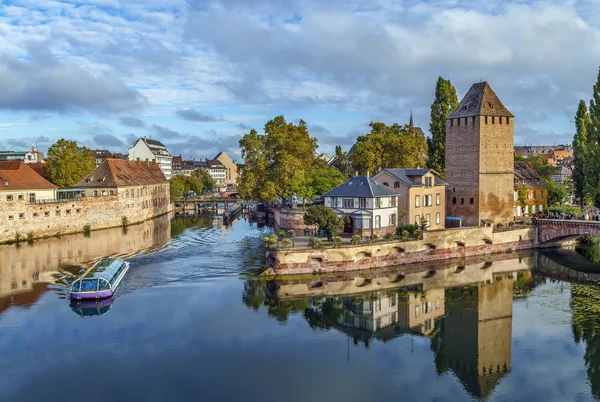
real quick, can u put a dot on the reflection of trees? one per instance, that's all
(254, 294)
(324, 314)
(526, 283)
(181, 223)
(585, 307)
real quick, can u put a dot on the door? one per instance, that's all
(349, 225)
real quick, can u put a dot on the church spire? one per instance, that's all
(411, 119)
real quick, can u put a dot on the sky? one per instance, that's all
(197, 75)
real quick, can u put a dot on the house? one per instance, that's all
(530, 192)
(549, 158)
(479, 159)
(119, 155)
(218, 172)
(19, 183)
(232, 169)
(176, 165)
(366, 206)
(31, 156)
(101, 155)
(421, 195)
(561, 155)
(146, 150)
(324, 157)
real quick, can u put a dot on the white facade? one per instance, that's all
(152, 151)
(367, 213)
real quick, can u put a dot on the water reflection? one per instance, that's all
(90, 308)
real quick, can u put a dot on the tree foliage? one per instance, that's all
(198, 182)
(324, 218)
(557, 193)
(580, 144)
(67, 164)
(342, 161)
(392, 146)
(278, 162)
(444, 103)
(542, 167)
(325, 178)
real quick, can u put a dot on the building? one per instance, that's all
(119, 155)
(19, 183)
(565, 174)
(549, 158)
(530, 192)
(421, 195)
(152, 151)
(101, 155)
(176, 165)
(31, 156)
(479, 159)
(232, 169)
(324, 157)
(366, 206)
(560, 156)
(218, 172)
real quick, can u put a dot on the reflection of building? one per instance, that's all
(420, 310)
(475, 341)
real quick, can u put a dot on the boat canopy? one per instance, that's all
(111, 272)
(106, 274)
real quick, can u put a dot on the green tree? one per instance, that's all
(444, 103)
(324, 218)
(325, 178)
(202, 181)
(557, 193)
(67, 164)
(580, 144)
(542, 167)
(342, 161)
(277, 163)
(392, 146)
(592, 165)
(177, 186)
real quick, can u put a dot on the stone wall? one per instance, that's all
(436, 245)
(136, 203)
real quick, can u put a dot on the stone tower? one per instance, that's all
(479, 159)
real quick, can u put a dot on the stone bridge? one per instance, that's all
(552, 230)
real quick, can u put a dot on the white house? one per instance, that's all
(367, 206)
(152, 151)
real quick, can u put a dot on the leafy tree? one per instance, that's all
(580, 144)
(177, 186)
(204, 181)
(67, 164)
(198, 182)
(557, 193)
(389, 146)
(542, 167)
(326, 178)
(324, 218)
(444, 103)
(342, 161)
(277, 163)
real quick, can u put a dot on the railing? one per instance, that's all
(56, 200)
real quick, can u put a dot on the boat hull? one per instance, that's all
(91, 295)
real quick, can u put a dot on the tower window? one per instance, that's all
(500, 120)
(462, 201)
(454, 200)
(471, 201)
(473, 119)
(454, 189)
(493, 120)
(485, 119)
(507, 120)
(451, 122)
(466, 121)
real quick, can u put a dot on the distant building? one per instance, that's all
(218, 172)
(145, 150)
(101, 155)
(231, 167)
(19, 183)
(421, 195)
(31, 156)
(367, 206)
(565, 173)
(118, 155)
(176, 165)
(324, 157)
(479, 158)
(526, 178)
(549, 159)
(561, 156)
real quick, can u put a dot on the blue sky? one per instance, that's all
(198, 74)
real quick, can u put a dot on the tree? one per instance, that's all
(557, 193)
(177, 186)
(542, 167)
(277, 163)
(342, 161)
(324, 218)
(198, 182)
(392, 146)
(580, 143)
(325, 178)
(67, 164)
(204, 181)
(444, 103)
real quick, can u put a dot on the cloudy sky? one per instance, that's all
(197, 74)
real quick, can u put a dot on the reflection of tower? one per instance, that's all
(475, 341)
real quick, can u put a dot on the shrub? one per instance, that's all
(404, 234)
(286, 243)
(316, 243)
(418, 234)
(291, 234)
(337, 240)
(270, 241)
(124, 220)
(281, 236)
(355, 239)
(18, 238)
(511, 224)
(87, 229)
(499, 225)
(388, 237)
(30, 237)
(373, 237)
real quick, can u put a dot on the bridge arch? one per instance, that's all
(554, 230)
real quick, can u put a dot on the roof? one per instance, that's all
(522, 151)
(102, 153)
(562, 154)
(18, 175)
(214, 164)
(13, 153)
(123, 173)
(39, 169)
(408, 176)
(547, 156)
(360, 186)
(156, 147)
(526, 176)
(480, 100)
(177, 159)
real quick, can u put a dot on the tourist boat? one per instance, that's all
(102, 280)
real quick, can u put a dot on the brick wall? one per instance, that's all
(137, 203)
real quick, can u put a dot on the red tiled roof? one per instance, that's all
(123, 173)
(19, 176)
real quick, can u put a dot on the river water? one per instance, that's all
(191, 322)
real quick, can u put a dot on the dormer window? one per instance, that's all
(6, 182)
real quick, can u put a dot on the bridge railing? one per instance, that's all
(565, 222)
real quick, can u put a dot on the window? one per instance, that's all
(454, 200)
(417, 220)
(377, 305)
(68, 211)
(393, 301)
(21, 215)
(417, 311)
(78, 210)
(32, 198)
(35, 214)
(507, 120)
(462, 201)
(47, 213)
(426, 307)
(11, 217)
(493, 120)
(358, 223)
(428, 181)
(473, 119)
(362, 202)
(451, 122)
(437, 218)
(9, 197)
(377, 221)
(393, 202)
(385, 183)
(458, 121)
(348, 202)
(334, 201)
(417, 201)
(95, 193)
(111, 192)
(428, 219)
(485, 119)
(471, 200)
(396, 184)
(366, 223)
(428, 325)
(427, 200)
(393, 220)
(20, 197)
(438, 199)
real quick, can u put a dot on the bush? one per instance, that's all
(87, 229)
(316, 243)
(124, 220)
(291, 234)
(18, 238)
(411, 229)
(281, 236)
(30, 237)
(373, 237)
(404, 234)
(337, 240)
(388, 237)
(511, 224)
(355, 239)
(418, 234)
(499, 225)
(270, 241)
(286, 243)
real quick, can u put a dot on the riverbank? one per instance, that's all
(435, 245)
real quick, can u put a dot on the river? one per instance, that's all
(192, 322)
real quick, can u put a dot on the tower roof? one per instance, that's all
(480, 100)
